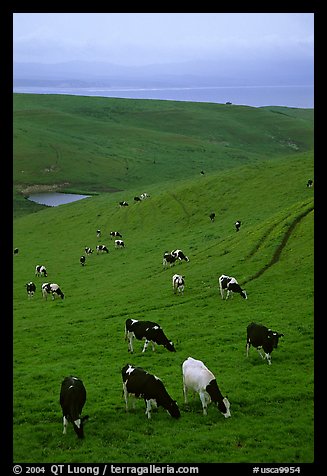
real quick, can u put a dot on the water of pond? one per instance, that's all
(53, 199)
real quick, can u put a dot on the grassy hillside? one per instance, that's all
(99, 144)
(271, 256)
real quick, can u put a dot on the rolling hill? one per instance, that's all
(256, 162)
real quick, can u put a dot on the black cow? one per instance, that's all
(137, 199)
(115, 233)
(123, 204)
(139, 383)
(16, 251)
(309, 183)
(238, 224)
(212, 216)
(102, 249)
(30, 288)
(229, 285)
(82, 260)
(72, 400)
(150, 331)
(261, 337)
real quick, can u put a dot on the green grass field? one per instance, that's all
(257, 162)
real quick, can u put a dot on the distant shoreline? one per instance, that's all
(295, 96)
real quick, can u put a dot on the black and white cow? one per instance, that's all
(178, 283)
(178, 254)
(88, 250)
(40, 271)
(82, 260)
(53, 289)
(149, 331)
(141, 384)
(212, 216)
(198, 378)
(30, 288)
(119, 244)
(102, 249)
(16, 251)
(115, 233)
(123, 204)
(72, 400)
(168, 259)
(229, 285)
(261, 337)
(144, 195)
(98, 233)
(238, 224)
(309, 183)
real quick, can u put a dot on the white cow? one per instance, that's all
(198, 378)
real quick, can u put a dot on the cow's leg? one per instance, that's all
(146, 343)
(185, 393)
(247, 348)
(260, 352)
(153, 346)
(130, 337)
(221, 291)
(148, 408)
(203, 401)
(268, 357)
(65, 423)
(125, 396)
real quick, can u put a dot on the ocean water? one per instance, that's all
(256, 96)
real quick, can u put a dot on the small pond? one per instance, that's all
(53, 199)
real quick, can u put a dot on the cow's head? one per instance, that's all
(224, 407)
(274, 337)
(79, 427)
(243, 294)
(170, 346)
(173, 409)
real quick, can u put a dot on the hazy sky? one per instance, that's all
(149, 38)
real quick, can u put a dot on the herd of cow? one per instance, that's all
(139, 383)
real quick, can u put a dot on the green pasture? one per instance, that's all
(256, 179)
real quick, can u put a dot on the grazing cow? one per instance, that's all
(82, 260)
(53, 289)
(179, 255)
(137, 199)
(40, 271)
(88, 250)
(238, 225)
(119, 244)
(72, 399)
(230, 285)
(198, 378)
(102, 249)
(261, 338)
(139, 383)
(202, 172)
(168, 259)
(144, 195)
(178, 283)
(16, 251)
(115, 233)
(309, 183)
(98, 233)
(212, 216)
(150, 331)
(30, 288)
(123, 204)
